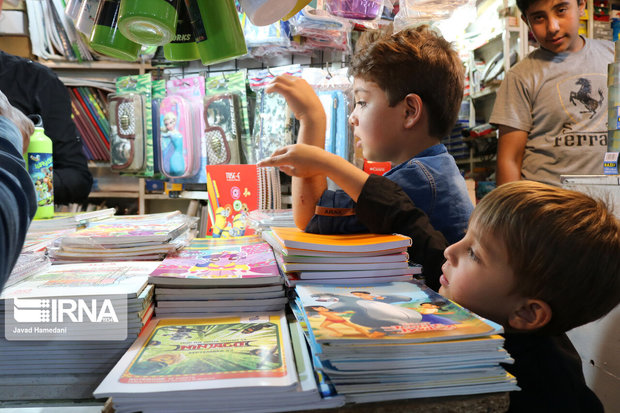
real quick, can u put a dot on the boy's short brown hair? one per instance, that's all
(523, 5)
(415, 60)
(563, 246)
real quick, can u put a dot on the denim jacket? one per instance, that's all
(433, 182)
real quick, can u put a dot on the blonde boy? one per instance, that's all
(537, 259)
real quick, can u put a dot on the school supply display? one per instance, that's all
(399, 340)
(219, 275)
(72, 369)
(234, 191)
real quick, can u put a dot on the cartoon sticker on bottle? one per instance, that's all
(40, 170)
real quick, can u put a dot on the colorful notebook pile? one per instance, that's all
(399, 340)
(38, 358)
(219, 276)
(214, 364)
(349, 258)
(127, 238)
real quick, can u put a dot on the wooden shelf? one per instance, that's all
(97, 65)
(114, 194)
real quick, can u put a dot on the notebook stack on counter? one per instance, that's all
(349, 258)
(399, 340)
(127, 238)
(66, 327)
(213, 275)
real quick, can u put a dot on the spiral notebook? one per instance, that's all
(234, 191)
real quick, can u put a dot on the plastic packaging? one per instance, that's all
(182, 47)
(217, 29)
(40, 166)
(127, 137)
(179, 138)
(106, 37)
(355, 9)
(148, 22)
(222, 119)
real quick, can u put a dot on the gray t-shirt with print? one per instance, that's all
(561, 101)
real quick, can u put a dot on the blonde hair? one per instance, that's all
(563, 247)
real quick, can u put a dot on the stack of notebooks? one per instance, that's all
(66, 327)
(127, 238)
(215, 364)
(350, 258)
(219, 276)
(399, 340)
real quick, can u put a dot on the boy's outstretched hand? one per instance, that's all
(300, 160)
(307, 161)
(299, 96)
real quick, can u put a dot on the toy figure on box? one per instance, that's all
(173, 151)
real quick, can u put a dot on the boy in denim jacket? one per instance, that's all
(408, 88)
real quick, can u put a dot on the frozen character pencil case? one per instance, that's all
(179, 137)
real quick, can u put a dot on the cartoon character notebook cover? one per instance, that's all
(227, 352)
(233, 192)
(401, 311)
(244, 258)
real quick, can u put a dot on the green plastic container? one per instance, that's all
(107, 39)
(39, 164)
(217, 29)
(183, 45)
(149, 22)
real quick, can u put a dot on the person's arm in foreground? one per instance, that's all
(305, 104)
(382, 205)
(17, 197)
(510, 149)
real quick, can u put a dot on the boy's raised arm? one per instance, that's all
(307, 107)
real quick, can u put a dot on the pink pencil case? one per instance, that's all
(179, 137)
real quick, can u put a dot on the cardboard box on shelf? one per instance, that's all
(16, 45)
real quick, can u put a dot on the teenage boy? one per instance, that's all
(537, 259)
(408, 88)
(552, 107)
